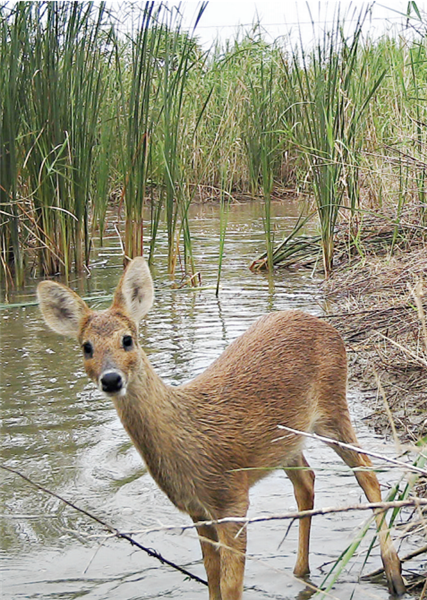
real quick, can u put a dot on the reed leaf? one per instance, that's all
(13, 74)
(331, 81)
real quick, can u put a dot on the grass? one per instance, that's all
(380, 312)
(101, 119)
(330, 94)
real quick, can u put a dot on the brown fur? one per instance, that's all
(206, 442)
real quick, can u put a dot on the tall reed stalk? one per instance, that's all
(137, 119)
(180, 56)
(224, 210)
(329, 93)
(161, 59)
(12, 76)
(261, 133)
(58, 62)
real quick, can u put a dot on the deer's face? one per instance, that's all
(108, 339)
(110, 350)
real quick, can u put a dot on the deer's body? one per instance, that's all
(194, 437)
(206, 442)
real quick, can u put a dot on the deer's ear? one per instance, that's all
(135, 292)
(62, 309)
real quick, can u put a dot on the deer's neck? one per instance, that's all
(147, 404)
(149, 412)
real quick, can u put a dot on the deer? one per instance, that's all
(206, 442)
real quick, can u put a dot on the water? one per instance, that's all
(62, 433)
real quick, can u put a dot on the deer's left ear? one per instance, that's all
(135, 292)
(62, 309)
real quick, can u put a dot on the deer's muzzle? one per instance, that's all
(112, 382)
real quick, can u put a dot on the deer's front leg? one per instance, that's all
(208, 538)
(232, 540)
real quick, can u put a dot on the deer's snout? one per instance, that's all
(112, 382)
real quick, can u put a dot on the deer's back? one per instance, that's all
(288, 368)
(282, 351)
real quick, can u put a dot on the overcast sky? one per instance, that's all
(280, 17)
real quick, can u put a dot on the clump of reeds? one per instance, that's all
(160, 58)
(328, 91)
(54, 78)
(376, 236)
(101, 118)
(82, 109)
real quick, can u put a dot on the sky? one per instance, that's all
(280, 17)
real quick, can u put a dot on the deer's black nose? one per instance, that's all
(111, 382)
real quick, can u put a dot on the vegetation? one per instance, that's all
(125, 118)
(99, 119)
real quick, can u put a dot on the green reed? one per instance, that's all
(59, 66)
(14, 74)
(329, 93)
(261, 133)
(181, 56)
(151, 111)
(98, 117)
(137, 119)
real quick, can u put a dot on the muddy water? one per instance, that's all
(59, 431)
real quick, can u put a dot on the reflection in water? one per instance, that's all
(59, 431)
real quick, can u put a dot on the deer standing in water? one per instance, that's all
(207, 442)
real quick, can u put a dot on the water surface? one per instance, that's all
(62, 433)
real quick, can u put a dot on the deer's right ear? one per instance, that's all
(62, 309)
(135, 291)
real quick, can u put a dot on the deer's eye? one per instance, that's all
(127, 342)
(87, 350)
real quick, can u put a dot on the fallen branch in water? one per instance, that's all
(244, 521)
(403, 559)
(114, 532)
(295, 515)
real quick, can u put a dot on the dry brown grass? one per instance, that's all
(375, 309)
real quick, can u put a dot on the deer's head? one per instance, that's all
(109, 339)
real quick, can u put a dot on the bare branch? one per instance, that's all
(115, 532)
(293, 516)
(331, 442)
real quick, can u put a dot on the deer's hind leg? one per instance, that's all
(302, 478)
(341, 429)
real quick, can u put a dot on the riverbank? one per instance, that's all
(378, 304)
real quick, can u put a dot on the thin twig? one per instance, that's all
(403, 559)
(115, 532)
(332, 442)
(405, 350)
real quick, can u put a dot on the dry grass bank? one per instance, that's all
(378, 304)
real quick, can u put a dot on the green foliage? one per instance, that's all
(60, 64)
(97, 118)
(330, 94)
